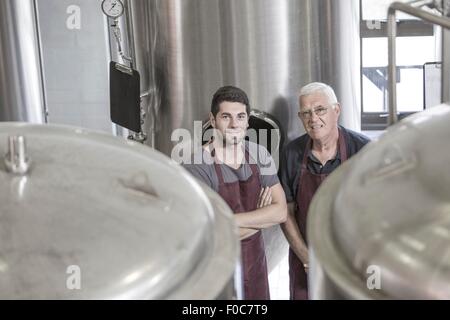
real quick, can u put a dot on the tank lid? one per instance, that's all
(391, 213)
(95, 217)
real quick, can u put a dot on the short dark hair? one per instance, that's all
(229, 94)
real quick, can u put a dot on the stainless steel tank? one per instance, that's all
(94, 217)
(379, 226)
(186, 49)
(54, 60)
(21, 88)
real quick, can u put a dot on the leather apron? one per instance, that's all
(242, 196)
(308, 185)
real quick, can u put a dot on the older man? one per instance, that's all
(305, 163)
(244, 174)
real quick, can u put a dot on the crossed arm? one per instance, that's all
(272, 210)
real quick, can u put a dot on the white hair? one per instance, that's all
(319, 87)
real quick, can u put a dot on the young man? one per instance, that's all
(305, 163)
(244, 175)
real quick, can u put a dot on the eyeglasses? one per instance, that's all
(319, 111)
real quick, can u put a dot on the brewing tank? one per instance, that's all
(186, 49)
(85, 215)
(21, 87)
(379, 227)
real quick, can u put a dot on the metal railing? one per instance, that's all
(414, 9)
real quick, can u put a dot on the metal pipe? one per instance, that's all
(16, 160)
(130, 33)
(420, 3)
(413, 10)
(445, 66)
(41, 63)
(392, 66)
(21, 87)
(138, 16)
(424, 15)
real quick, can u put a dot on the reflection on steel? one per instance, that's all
(379, 227)
(16, 160)
(111, 208)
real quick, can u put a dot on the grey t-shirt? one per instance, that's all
(202, 167)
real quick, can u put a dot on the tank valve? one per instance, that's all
(16, 160)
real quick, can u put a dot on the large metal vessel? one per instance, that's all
(54, 63)
(379, 227)
(21, 86)
(88, 216)
(186, 49)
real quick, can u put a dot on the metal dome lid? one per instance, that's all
(389, 207)
(132, 223)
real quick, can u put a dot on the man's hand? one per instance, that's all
(304, 258)
(292, 232)
(246, 232)
(265, 197)
(270, 210)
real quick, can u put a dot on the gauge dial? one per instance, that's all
(112, 8)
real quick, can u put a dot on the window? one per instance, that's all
(417, 45)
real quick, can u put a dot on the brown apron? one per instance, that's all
(242, 196)
(308, 184)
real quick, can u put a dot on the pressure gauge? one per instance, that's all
(112, 8)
